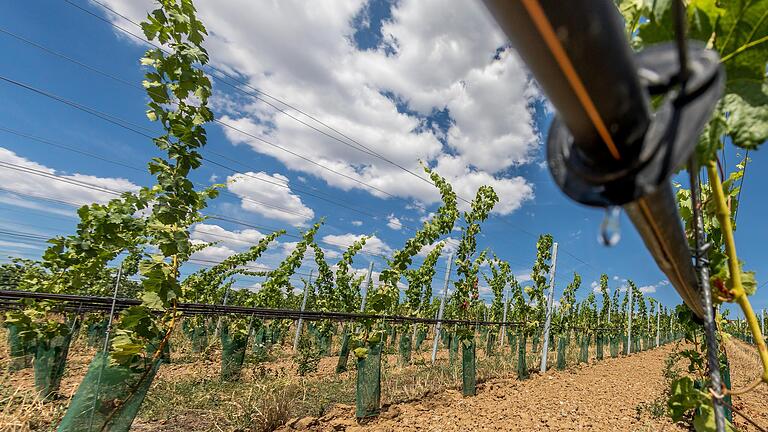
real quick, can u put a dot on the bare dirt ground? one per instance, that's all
(604, 396)
(611, 395)
(600, 397)
(745, 369)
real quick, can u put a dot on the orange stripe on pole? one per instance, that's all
(550, 38)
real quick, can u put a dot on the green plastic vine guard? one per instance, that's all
(512, 339)
(624, 345)
(421, 334)
(232, 354)
(259, 342)
(490, 343)
(324, 342)
(584, 348)
(725, 372)
(453, 350)
(614, 346)
(94, 408)
(96, 334)
(199, 336)
(599, 346)
(562, 343)
(50, 361)
(21, 353)
(368, 389)
(468, 367)
(341, 365)
(405, 348)
(522, 367)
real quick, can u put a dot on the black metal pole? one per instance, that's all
(702, 265)
(579, 54)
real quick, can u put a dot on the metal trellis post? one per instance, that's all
(367, 285)
(629, 321)
(112, 308)
(301, 318)
(439, 324)
(503, 332)
(658, 321)
(550, 303)
(702, 265)
(224, 303)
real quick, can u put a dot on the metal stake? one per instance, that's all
(367, 285)
(503, 332)
(301, 317)
(224, 303)
(112, 309)
(439, 324)
(702, 265)
(629, 320)
(550, 303)
(658, 320)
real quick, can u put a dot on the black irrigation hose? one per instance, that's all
(9, 299)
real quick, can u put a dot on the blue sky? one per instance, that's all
(409, 81)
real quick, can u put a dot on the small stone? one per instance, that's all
(341, 424)
(391, 413)
(305, 423)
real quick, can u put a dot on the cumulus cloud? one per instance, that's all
(433, 59)
(227, 242)
(269, 196)
(241, 239)
(652, 288)
(23, 176)
(357, 223)
(450, 245)
(394, 223)
(373, 244)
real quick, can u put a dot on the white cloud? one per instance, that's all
(269, 196)
(649, 289)
(210, 233)
(357, 223)
(15, 180)
(215, 253)
(443, 59)
(523, 277)
(394, 223)
(373, 244)
(427, 217)
(27, 203)
(450, 245)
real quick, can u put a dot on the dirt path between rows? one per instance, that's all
(745, 369)
(603, 396)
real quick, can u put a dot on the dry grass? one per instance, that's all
(188, 395)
